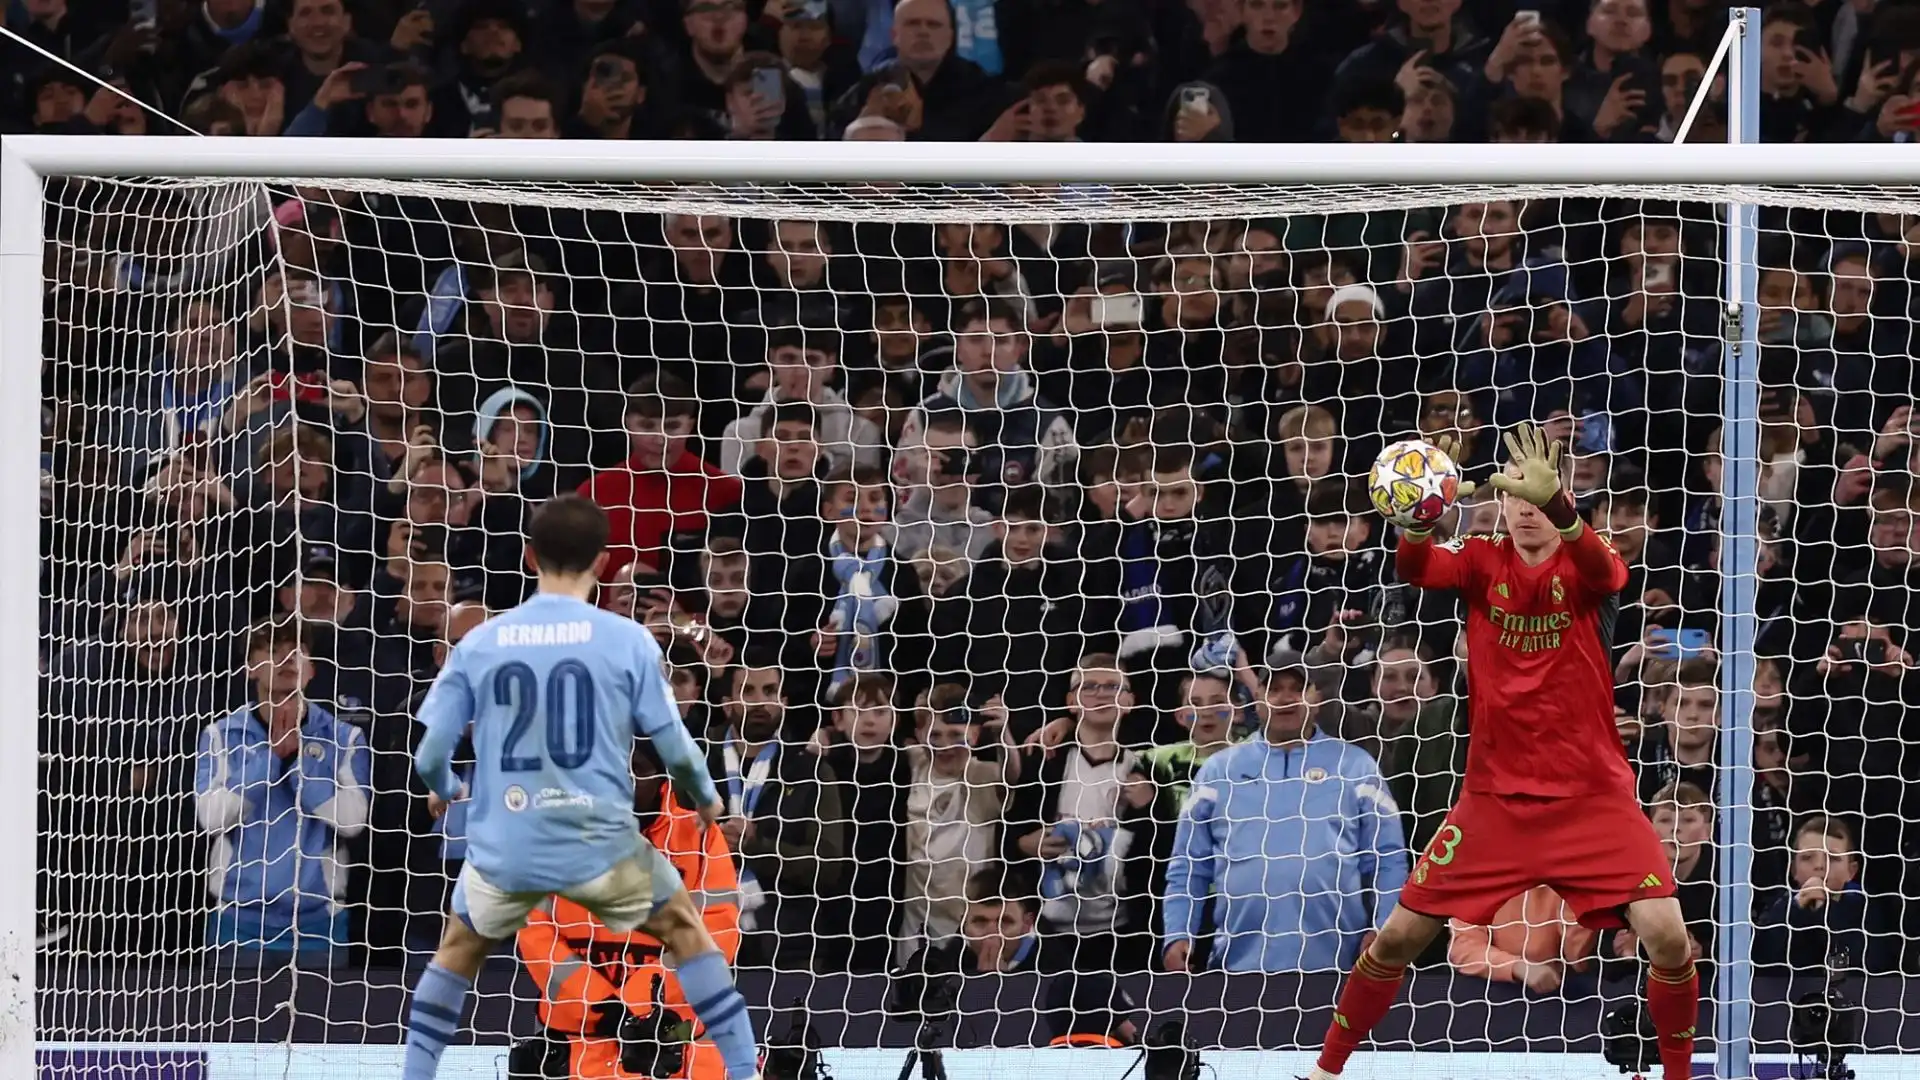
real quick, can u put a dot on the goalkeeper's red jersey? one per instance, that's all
(1539, 678)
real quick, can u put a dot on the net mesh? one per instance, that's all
(961, 490)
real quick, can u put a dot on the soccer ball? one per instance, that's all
(1413, 482)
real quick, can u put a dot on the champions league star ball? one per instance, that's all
(1413, 482)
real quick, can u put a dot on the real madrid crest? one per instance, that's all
(1559, 590)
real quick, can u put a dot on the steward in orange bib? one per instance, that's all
(593, 981)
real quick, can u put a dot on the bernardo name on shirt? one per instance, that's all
(565, 633)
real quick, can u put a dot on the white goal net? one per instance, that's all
(945, 500)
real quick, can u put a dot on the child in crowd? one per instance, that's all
(1826, 921)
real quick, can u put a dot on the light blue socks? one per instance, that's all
(708, 985)
(434, 1020)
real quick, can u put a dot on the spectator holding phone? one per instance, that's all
(762, 103)
(939, 472)
(1681, 76)
(398, 103)
(1799, 98)
(1200, 112)
(1898, 118)
(953, 809)
(1613, 86)
(1541, 65)
(1847, 724)
(614, 96)
(321, 33)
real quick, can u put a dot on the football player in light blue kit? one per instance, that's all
(555, 691)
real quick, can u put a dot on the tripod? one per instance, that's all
(932, 1065)
(926, 1054)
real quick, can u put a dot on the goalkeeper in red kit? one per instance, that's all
(1549, 798)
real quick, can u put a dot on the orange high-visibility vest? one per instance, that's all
(577, 963)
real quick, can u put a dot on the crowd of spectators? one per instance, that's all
(1017, 70)
(1017, 576)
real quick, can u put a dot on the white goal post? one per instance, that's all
(860, 181)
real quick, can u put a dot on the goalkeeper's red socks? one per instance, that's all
(1673, 1001)
(1364, 1001)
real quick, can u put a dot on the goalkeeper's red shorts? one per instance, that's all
(1599, 852)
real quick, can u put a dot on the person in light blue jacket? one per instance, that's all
(1293, 842)
(279, 784)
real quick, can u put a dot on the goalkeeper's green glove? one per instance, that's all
(1449, 446)
(1536, 459)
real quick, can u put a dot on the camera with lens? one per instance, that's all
(796, 1056)
(926, 990)
(1826, 1025)
(1168, 1055)
(653, 1044)
(927, 987)
(1628, 1040)
(540, 1056)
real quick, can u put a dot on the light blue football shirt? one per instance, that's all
(555, 691)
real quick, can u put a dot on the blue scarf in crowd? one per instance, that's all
(862, 608)
(444, 301)
(1140, 576)
(243, 33)
(1088, 861)
(1218, 655)
(746, 783)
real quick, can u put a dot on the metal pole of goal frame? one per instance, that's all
(1739, 578)
(20, 322)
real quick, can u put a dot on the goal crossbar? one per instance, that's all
(236, 158)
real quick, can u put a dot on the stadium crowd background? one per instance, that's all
(291, 439)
